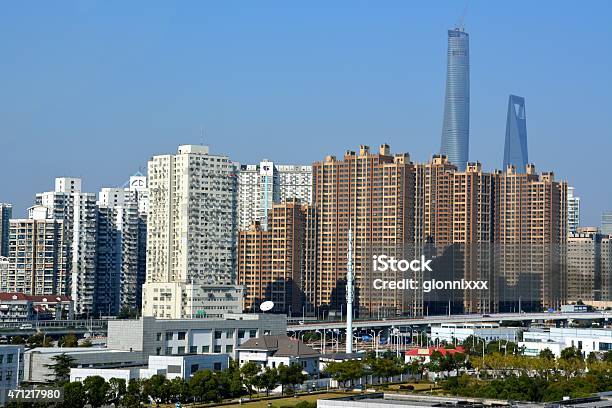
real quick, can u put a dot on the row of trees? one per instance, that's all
(41, 340)
(204, 386)
(388, 366)
(542, 378)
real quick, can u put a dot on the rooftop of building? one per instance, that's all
(76, 350)
(8, 296)
(279, 346)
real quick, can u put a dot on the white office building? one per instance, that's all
(262, 185)
(451, 332)
(573, 210)
(171, 367)
(191, 227)
(556, 339)
(168, 337)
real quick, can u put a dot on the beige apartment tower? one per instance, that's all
(271, 263)
(373, 194)
(530, 237)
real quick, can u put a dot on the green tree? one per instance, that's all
(134, 394)
(344, 371)
(204, 386)
(267, 380)
(39, 340)
(117, 390)
(547, 354)
(74, 395)
(62, 363)
(156, 388)
(17, 340)
(96, 390)
(86, 343)
(230, 381)
(290, 376)
(248, 374)
(69, 340)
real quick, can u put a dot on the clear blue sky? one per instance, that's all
(94, 88)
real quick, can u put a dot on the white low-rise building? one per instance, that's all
(272, 351)
(558, 338)
(169, 366)
(450, 332)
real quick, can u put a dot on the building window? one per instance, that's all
(158, 351)
(194, 368)
(229, 349)
(159, 336)
(9, 358)
(205, 349)
(252, 333)
(181, 350)
(217, 349)
(181, 335)
(241, 334)
(168, 351)
(217, 335)
(217, 367)
(169, 335)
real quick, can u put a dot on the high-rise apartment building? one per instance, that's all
(606, 223)
(191, 229)
(473, 230)
(6, 213)
(78, 211)
(372, 194)
(584, 265)
(456, 127)
(37, 256)
(515, 147)
(271, 263)
(454, 226)
(530, 238)
(262, 185)
(118, 282)
(573, 210)
(606, 267)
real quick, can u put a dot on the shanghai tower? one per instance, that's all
(456, 127)
(515, 147)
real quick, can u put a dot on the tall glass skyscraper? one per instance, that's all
(456, 128)
(515, 148)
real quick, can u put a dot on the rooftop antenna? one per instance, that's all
(202, 134)
(461, 23)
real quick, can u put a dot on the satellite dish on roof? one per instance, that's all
(266, 306)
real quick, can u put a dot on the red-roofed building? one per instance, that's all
(424, 353)
(16, 307)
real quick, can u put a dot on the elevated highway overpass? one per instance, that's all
(431, 320)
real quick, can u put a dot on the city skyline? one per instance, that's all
(104, 101)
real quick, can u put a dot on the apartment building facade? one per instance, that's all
(271, 263)
(262, 185)
(372, 194)
(191, 223)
